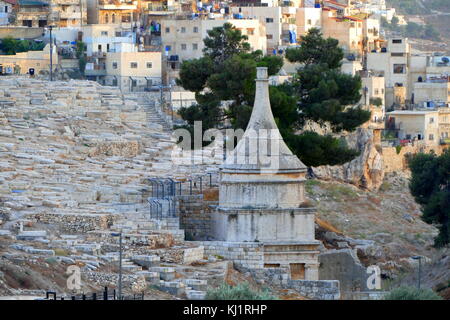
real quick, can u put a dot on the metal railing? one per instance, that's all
(105, 295)
(164, 192)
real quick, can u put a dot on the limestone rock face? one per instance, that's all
(365, 171)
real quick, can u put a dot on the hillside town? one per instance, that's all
(102, 196)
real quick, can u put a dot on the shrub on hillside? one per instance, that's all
(412, 293)
(240, 292)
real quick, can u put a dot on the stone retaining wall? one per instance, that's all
(193, 254)
(313, 289)
(245, 254)
(76, 223)
(195, 216)
(394, 161)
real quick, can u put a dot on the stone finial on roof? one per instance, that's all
(262, 148)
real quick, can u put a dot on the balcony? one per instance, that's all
(66, 2)
(117, 7)
(95, 69)
(69, 15)
(99, 54)
(160, 9)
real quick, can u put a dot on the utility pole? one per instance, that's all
(51, 53)
(119, 234)
(120, 265)
(420, 269)
(81, 15)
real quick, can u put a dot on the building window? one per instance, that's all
(133, 65)
(376, 91)
(114, 65)
(269, 20)
(309, 22)
(149, 65)
(183, 46)
(167, 30)
(397, 54)
(269, 36)
(195, 30)
(104, 33)
(113, 18)
(396, 40)
(183, 30)
(431, 120)
(431, 137)
(399, 68)
(194, 46)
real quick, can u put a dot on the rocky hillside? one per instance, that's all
(387, 221)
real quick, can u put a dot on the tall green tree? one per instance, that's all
(227, 70)
(430, 186)
(12, 46)
(327, 96)
(320, 92)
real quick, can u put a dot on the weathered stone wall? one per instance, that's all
(76, 223)
(343, 265)
(394, 161)
(245, 254)
(313, 289)
(193, 254)
(131, 282)
(195, 216)
(116, 148)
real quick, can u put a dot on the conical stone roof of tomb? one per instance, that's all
(262, 148)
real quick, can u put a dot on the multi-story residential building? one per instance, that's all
(100, 38)
(58, 13)
(372, 88)
(307, 18)
(183, 39)
(133, 70)
(271, 18)
(371, 31)
(429, 80)
(157, 10)
(32, 13)
(114, 58)
(348, 30)
(393, 62)
(433, 91)
(7, 15)
(285, 21)
(444, 125)
(112, 11)
(416, 125)
(68, 13)
(22, 62)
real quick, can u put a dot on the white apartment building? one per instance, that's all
(183, 39)
(393, 62)
(100, 38)
(307, 18)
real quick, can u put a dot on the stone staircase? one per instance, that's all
(152, 114)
